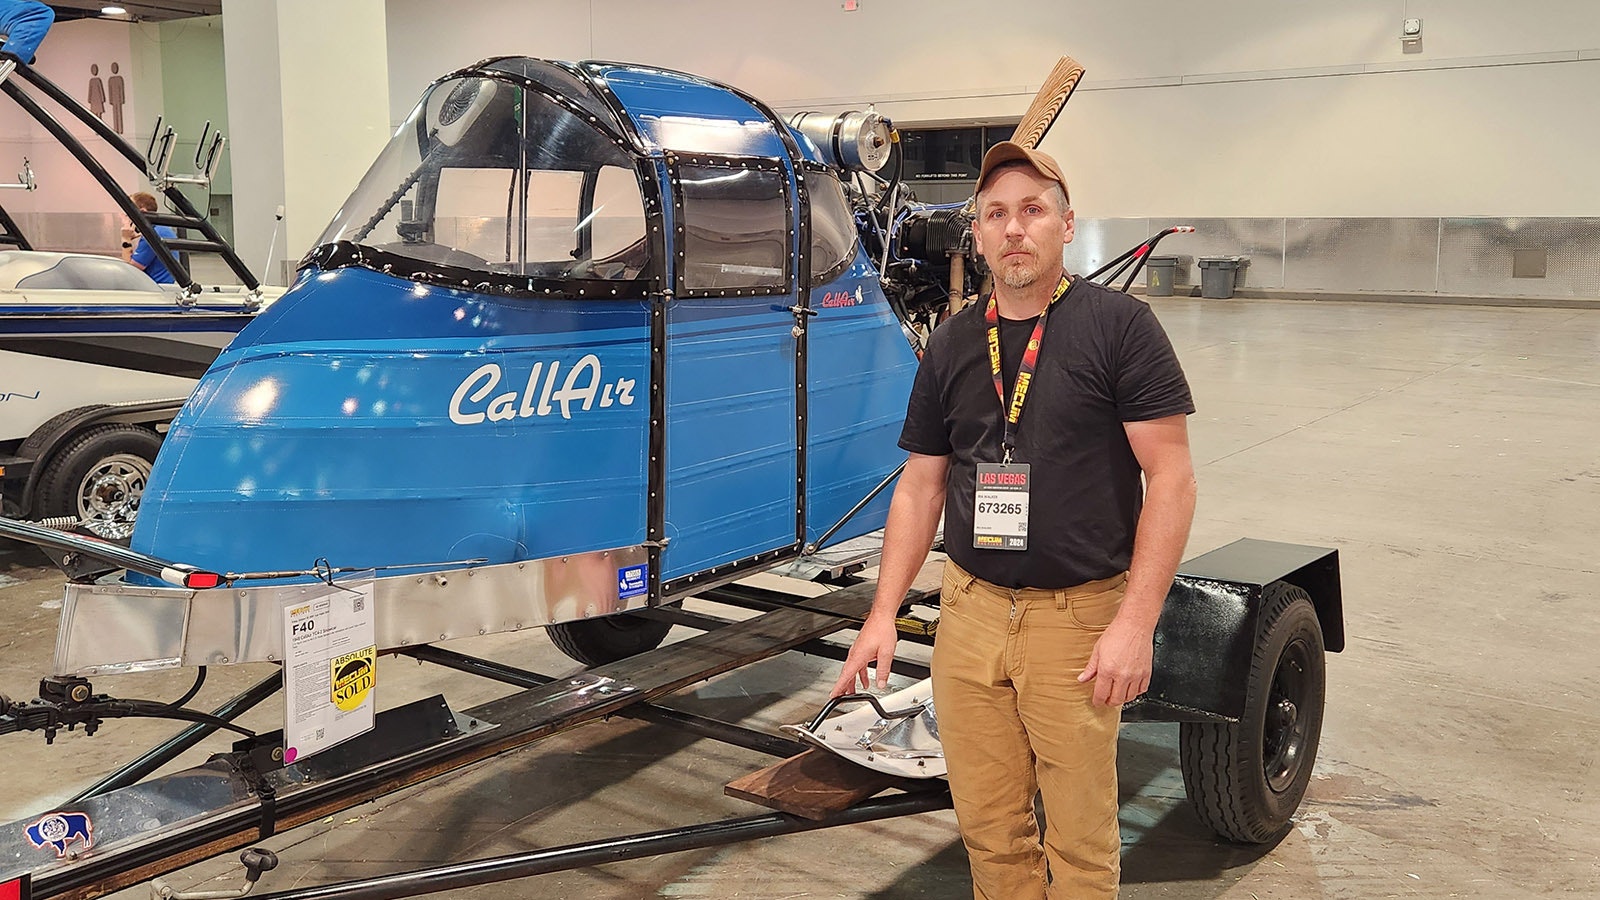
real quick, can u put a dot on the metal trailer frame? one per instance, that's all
(1206, 639)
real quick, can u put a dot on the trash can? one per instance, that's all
(1159, 271)
(1219, 275)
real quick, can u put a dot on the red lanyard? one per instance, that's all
(1030, 360)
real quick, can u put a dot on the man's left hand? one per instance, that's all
(1120, 664)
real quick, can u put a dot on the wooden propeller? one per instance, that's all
(1047, 104)
(1041, 114)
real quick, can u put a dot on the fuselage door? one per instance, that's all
(731, 461)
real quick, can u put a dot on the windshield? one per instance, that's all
(490, 176)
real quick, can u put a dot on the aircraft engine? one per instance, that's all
(853, 141)
(923, 252)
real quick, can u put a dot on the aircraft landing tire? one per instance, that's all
(606, 639)
(99, 477)
(1246, 779)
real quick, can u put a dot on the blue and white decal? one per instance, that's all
(633, 581)
(59, 830)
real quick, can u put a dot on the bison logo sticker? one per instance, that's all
(59, 830)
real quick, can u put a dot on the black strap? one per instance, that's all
(265, 793)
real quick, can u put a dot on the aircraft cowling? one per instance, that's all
(368, 420)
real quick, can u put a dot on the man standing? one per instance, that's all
(137, 251)
(1031, 421)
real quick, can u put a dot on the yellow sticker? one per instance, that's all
(354, 675)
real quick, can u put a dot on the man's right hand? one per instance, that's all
(913, 520)
(874, 645)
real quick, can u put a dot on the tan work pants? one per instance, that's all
(1014, 721)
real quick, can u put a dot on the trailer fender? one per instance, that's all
(1206, 637)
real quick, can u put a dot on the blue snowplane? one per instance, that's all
(586, 337)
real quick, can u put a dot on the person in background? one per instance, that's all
(23, 24)
(139, 253)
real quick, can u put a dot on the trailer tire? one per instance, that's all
(1246, 779)
(99, 476)
(606, 639)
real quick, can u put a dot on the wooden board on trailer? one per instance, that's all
(812, 785)
(815, 783)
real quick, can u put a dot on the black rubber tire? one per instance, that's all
(64, 479)
(606, 639)
(1246, 779)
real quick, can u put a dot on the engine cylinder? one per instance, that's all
(933, 234)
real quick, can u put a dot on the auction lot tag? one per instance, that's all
(330, 666)
(1000, 509)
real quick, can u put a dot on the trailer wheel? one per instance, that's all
(1246, 779)
(606, 639)
(100, 477)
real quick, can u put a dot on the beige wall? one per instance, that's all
(1227, 108)
(308, 95)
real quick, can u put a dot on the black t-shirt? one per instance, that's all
(1104, 361)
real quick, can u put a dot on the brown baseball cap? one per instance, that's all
(1011, 151)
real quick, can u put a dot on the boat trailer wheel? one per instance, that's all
(1245, 779)
(112, 490)
(1285, 737)
(100, 478)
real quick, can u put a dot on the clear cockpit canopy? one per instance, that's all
(490, 176)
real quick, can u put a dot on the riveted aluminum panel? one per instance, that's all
(1361, 254)
(113, 627)
(1475, 256)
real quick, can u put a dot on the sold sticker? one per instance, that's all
(354, 675)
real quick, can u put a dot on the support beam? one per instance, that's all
(308, 95)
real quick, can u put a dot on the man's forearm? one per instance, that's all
(1158, 544)
(907, 537)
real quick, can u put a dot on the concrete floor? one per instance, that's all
(1451, 453)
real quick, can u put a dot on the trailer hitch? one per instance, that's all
(67, 701)
(64, 702)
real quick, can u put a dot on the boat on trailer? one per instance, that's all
(95, 357)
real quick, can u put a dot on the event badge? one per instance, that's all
(1000, 509)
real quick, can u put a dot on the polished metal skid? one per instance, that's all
(107, 628)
